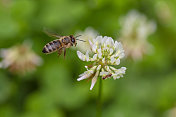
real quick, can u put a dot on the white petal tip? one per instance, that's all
(91, 87)
(79, 79)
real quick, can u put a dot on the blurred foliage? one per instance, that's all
(147, 89)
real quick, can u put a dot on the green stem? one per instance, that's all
(99, 100)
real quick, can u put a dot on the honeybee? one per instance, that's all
(60, 44)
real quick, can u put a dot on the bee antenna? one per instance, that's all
(78, 36)
(80, 40)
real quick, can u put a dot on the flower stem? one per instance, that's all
(99, 100)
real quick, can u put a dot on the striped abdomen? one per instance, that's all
(52, 46)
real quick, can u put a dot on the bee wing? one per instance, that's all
(52, 34)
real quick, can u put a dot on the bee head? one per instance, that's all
(73, 40)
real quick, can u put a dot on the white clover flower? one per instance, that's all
(19, 59)
(107, 54)
(88, 34)
(164, 12)
(171, 113)
(134, 33)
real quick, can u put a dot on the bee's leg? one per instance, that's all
(60, 52)
(64, 52)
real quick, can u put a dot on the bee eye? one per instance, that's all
(73, 40)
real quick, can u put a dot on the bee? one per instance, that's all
(60, 43)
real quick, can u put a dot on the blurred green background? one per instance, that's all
(148, 89)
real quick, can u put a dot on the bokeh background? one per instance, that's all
(148, 89)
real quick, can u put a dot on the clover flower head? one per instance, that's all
(134, 33)
(106, 55)
(19, 59)
(86, 35)
(171, 112)
(164, 12)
